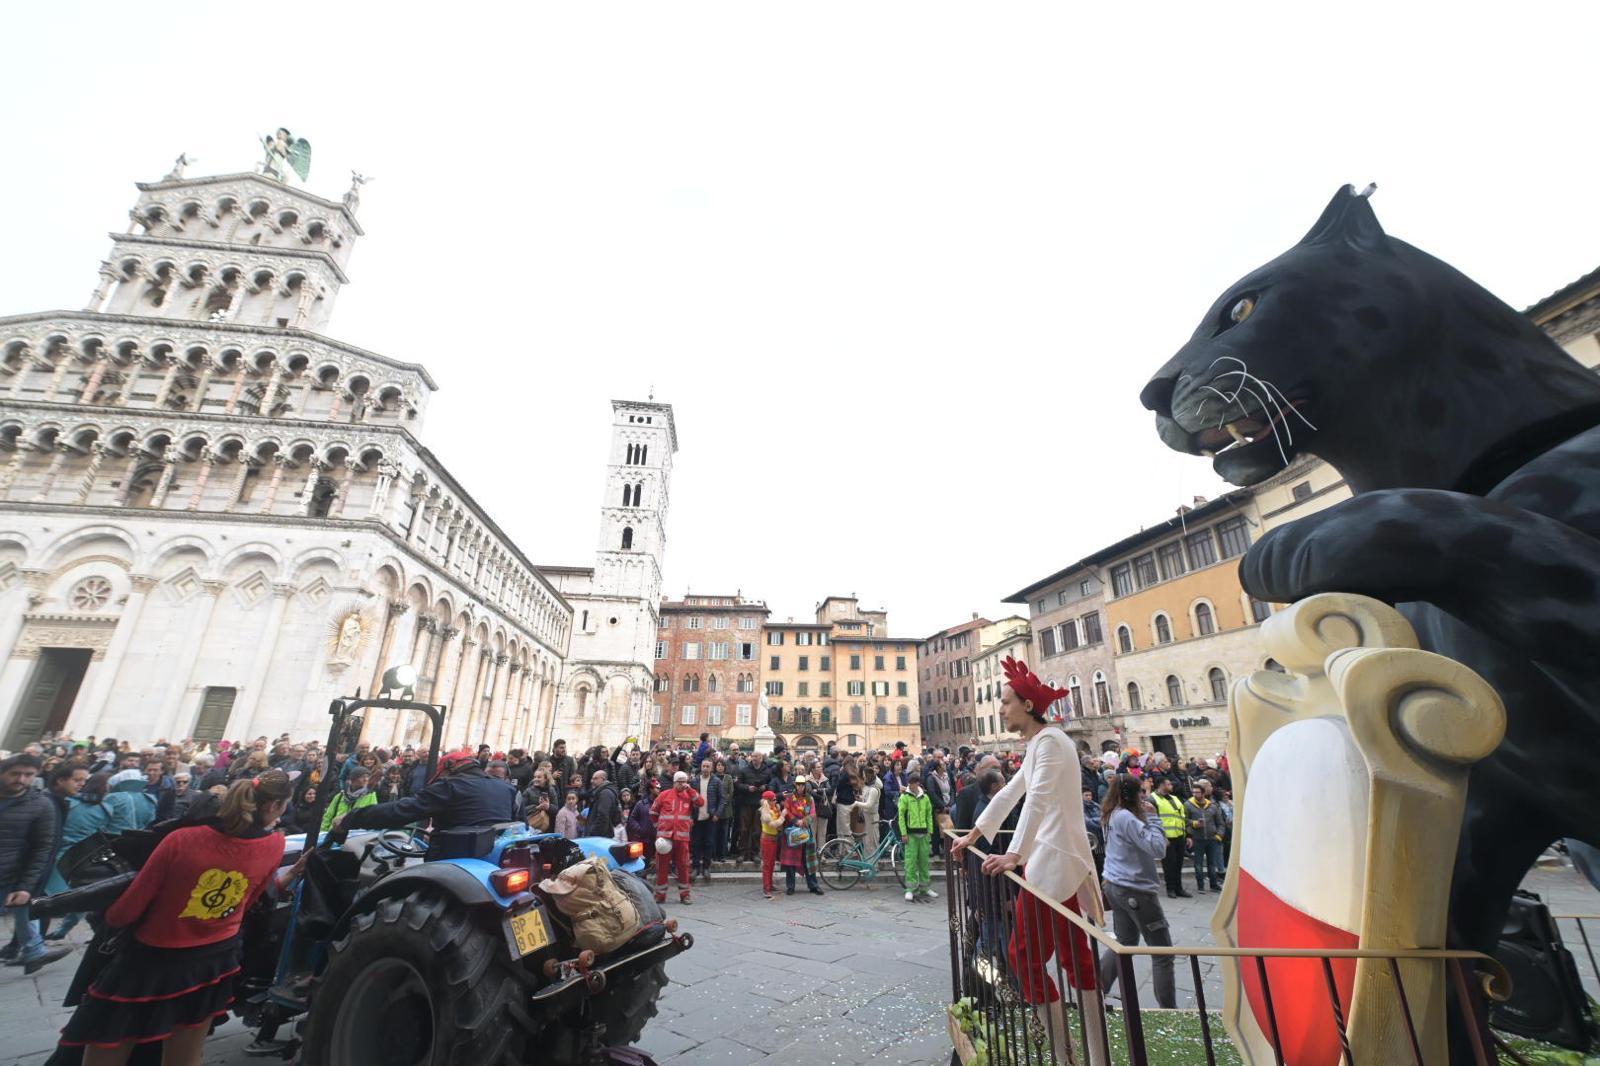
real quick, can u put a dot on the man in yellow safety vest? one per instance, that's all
(1177, 831)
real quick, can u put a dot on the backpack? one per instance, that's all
(603, 916)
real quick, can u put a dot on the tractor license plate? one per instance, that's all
(528, 931)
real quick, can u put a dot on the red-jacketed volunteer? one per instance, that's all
(674, 814)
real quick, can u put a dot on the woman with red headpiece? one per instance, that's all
(1051, 846)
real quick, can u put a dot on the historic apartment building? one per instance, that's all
(1066, 614)
(841, 677)
(1008, 638)
(708, 670)
(217, 517)
(944, 670)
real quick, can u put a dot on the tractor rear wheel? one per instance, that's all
(626, 1009)
(418, 982)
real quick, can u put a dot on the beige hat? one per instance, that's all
(679, 776)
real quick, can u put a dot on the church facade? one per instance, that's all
(214, 518)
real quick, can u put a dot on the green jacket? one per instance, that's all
(340, 805)
(916, 812)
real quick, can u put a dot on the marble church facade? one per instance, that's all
(214, 518)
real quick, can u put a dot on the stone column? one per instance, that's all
(460, 705)
(8, 477)
(52, 471)
(476, 731)
(343, 492)
(135, 455)
(59, 373)
(207, 366)
(97, 456)
(269, 394)
(244, 712)
(169, 467)
(129, 380)
(207, 460)
(180, 678)
(387, 472)
(238, 481)
(338, 401)
(499, 689)
(95, 377)
(238, 388)
(314, 469)
(86, 713)
(396, 609)
(279, 463)
(165, 390)
(102, 292)
(437, 683)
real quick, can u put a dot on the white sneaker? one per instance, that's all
(909, 897)
(931, 893)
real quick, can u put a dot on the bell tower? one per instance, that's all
(633, 516)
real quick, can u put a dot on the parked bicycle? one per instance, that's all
(843, 861)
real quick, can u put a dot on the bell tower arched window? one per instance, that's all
(627, 538)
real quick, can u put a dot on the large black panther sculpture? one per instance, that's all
(1471, 442)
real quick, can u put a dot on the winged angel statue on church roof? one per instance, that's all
(284, 152)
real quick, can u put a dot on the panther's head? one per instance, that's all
(1287, 352)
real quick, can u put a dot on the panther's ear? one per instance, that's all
(1349, 219)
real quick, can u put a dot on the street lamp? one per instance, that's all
(402, 679)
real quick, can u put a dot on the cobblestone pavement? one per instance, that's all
(853, 977)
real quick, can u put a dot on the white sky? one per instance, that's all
(900, 268)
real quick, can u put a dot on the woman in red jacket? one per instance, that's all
(176, 970)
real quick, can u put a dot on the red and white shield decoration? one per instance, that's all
(1301, 868)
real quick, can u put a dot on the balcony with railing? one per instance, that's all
(803, 720)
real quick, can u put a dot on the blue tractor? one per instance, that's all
(411, 948)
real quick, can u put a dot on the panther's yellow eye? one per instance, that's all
(1242, 309)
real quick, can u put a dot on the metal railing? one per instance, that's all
(984, 952)
(1582, 923)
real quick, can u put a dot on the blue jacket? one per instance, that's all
(130, 806)
(701, 752)
(469, 797)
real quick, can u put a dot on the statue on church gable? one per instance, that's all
(176, 173)
(285, 152)
(352, 199)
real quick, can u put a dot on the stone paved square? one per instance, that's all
(850, 978)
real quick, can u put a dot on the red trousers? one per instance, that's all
(680, 858)
(1040, 934)
(769, 858)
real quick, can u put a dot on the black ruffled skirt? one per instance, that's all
(145, 993)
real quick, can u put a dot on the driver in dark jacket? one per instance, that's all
(460, 794)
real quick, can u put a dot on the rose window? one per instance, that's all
(91, 594)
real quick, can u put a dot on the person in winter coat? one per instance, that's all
(354, 796)
(914, 817)
(540, 802)
(724, 813)
(1135, 839)
(674, 812)
(771, 812)
(460, 795)
(707, 822)
(703, 752)
(303, 816)
(798, 857)
(30, 833)
(569, 823)
(131, 807)
(564, 765)
(749, 782)
(1207, 828)
(605, 807)
(641, 826)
